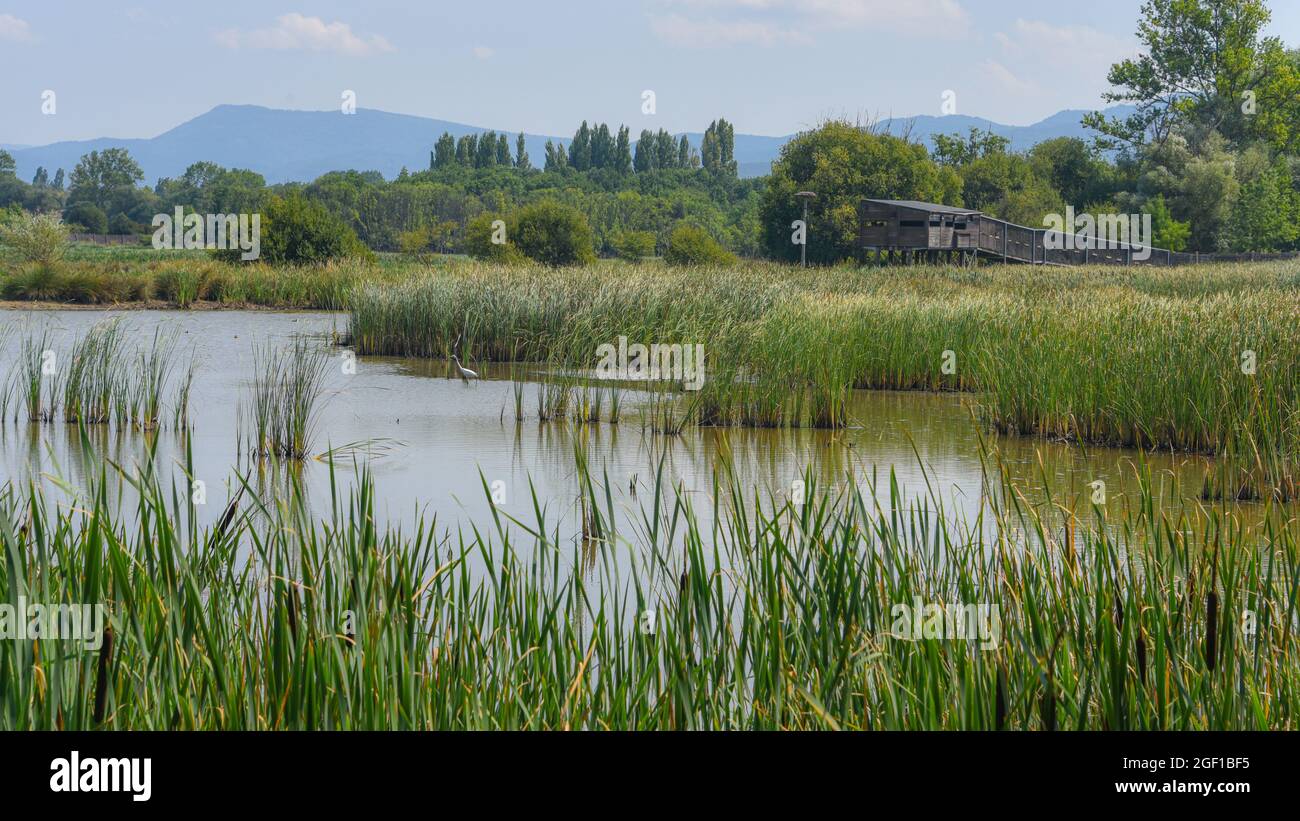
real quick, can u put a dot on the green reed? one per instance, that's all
(778, 615)
(1135, 357)
(285, 398)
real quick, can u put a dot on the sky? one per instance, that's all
(769, 66)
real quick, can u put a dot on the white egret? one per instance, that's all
(465, 373)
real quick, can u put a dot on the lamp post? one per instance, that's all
(803, 248)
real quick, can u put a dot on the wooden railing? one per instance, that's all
(1017, 243)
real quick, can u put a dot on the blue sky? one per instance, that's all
(770, 66)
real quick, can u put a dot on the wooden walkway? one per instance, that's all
(1004, 241)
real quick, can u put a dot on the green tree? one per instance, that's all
(1205, 64)
(552, 234)
(41, 178)
(100, 176)
(479, 234)
(1267, 210)
(7, 165)
(580, 148)
(622, 162)
(557, 158)
(1072, 167)
(843, 164)
(87, 216)
(444, 151)
(38, 238)
(691, 245)
(646, 154)
(296, 230)
(634, 245)
(521, 153)
(955, 150)
(1166, 232)
(717, 151)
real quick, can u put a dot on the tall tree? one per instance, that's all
(580, 148)
(622, 162)
(487, 150)
(99, 173)
(521, 153)
(556, 158)
(666, 148)
(444, 151)
(646, 152)
(41, 178)
(602, 147)
(1205, 63)
(466, 149)
(7, 165)
(503, 150)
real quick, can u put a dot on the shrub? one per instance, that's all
(39, 238)
(87, 216)
(689, 245)
(297, 230)
(479, 245)
(552, 234)
(122, 224)
(40, 281)
(634, 245)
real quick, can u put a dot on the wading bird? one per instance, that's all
(465, 373)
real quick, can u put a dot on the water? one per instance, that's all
(431, 442)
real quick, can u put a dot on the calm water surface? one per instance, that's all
(432, 440)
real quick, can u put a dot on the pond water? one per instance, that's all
(433, 440)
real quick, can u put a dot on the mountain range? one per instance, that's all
(284, 145)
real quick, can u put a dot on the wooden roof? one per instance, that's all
(928, 207)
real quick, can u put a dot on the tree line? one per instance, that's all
(1211, 152)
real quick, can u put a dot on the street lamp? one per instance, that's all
(803, 248)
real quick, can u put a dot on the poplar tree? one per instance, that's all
(521, 153)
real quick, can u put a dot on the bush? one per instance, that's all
(689, 245)
(479, 245)
(297, 230)
(634, 245)
(88, 216)
(552, 234)
(39, 238)
(122, 224)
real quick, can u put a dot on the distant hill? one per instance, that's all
(286, 146)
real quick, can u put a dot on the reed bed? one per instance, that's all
(98, 378)
(285, 399)
(781, 615)
(1199, 359)
(148, 277)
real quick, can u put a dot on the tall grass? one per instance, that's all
(285, 398)
(98, 378)
(780, 616)
(1147, 358)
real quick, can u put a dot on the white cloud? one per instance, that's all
(483, 52)
(294, 31)
(1081, 52)
(769, 22)
(686, 32)
(12, 28)
(1005, 78)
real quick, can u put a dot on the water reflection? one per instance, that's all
(434, 441)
